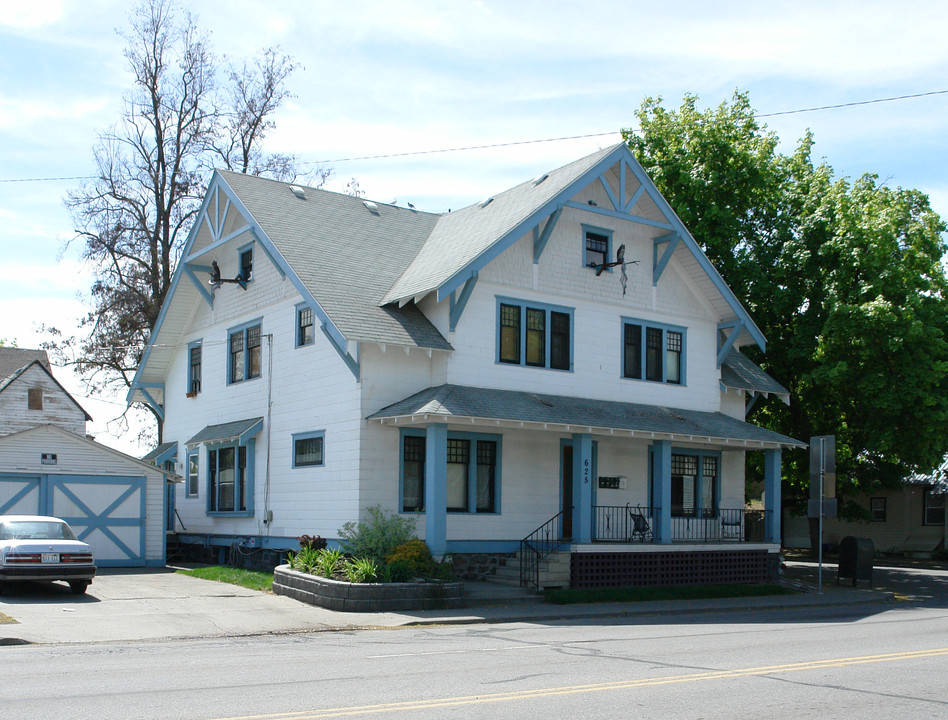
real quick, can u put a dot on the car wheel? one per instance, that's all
(78, 587)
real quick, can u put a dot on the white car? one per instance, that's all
(39, 548)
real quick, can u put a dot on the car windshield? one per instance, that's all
(35, 530)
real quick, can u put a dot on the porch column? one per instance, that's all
(661, 490)
(436, 488)
(772, 495)
(582, 487)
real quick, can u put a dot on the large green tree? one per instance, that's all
(843, 277)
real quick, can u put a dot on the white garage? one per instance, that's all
(114, 502)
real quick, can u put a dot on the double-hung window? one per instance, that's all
(694, 484)
(191, 489)
(534, 334)
(305, 326)
(244, 353)
(227, 479)
(194, 368)
(473, 472)
(933, 508)
(653, 352)
(246, 264)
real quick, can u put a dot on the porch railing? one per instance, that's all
(537, 545)
(635, 524)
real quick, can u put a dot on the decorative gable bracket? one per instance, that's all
(540, 239)
(660, 263)
(149, 398)
(726, 339)
(460, 302)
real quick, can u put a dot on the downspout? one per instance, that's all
(267, 517)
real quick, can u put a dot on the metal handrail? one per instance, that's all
(542, 542)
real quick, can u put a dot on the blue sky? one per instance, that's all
(393, 77)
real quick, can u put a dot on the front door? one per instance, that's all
(566, 463)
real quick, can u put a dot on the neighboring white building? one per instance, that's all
(487, 371)
(48, 466)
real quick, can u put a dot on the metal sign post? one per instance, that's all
(822, 488)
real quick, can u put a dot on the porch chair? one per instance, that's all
(641, 529)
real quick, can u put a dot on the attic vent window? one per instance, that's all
(298, 191)
(34, 398)
(485, 202)
(371, 207)
(540, 178)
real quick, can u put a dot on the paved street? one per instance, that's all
(837, 658)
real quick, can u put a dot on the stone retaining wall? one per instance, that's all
(365, 597)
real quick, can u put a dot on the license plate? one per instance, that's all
(49, 558)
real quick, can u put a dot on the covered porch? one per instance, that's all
(630, 476)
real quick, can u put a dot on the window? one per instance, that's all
(472, 473)
(413, 473)
(191, 490)
(534, 334)
(305, 328)
(308, 449)
(194, 368)
(933, 508)
(246, 264)
(694, 485)
(244, 354)
(653, 352)
(597, 246)
(877, 508)
(227, 479)
(34, 398)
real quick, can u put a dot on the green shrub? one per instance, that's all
(328, 562)
(304, 560)
(411, 559)
(378, 537)
(360, 570)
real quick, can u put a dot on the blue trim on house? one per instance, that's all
(540, 239)
(245, 440)
(724, 347)
(659, 264)
(300, 307)
(610, 249)
(204, 292)
(191, 345)
(548, 329)
(242, 328)
(457, 306)
(353, 363)
(483, 546)
(31, 483)
(664, 327)
(308, 436)
(169, 454)
(195, 453)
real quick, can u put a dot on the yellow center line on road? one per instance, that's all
(594, 687)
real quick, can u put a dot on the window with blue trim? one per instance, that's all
(244, 354)
(191, 489)
(228, 475)
(472, 473)
(597, 246)
(305, 326)
(308, 449)
(194, 368)
(694, 485)
(653, 352)
(534, 334)
(246, 264)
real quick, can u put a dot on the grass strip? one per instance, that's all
(252, 579)
(647, 594)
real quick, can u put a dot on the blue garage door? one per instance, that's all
(106, 512)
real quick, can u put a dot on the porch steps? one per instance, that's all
(554, 571)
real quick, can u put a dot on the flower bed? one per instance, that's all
(366, 597)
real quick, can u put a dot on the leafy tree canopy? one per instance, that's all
(844, 278)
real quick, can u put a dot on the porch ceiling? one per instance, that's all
(509, 408)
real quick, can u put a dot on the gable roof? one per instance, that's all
(13, 359)
(13, 377)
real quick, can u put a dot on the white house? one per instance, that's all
(48, 466)
(543, 365)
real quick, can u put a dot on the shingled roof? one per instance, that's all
(13, 359)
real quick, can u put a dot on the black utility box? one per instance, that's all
(855, 559)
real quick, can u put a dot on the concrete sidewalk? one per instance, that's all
(155, 605)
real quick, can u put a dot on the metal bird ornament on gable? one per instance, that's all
(621, 262)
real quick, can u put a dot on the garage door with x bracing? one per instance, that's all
(106, 512)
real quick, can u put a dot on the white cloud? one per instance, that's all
(31, 14)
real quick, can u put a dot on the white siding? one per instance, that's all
(58, 407)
